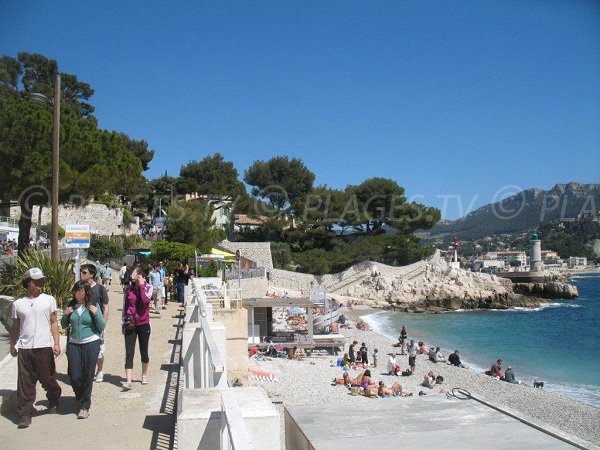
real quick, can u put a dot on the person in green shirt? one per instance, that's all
(86, 322)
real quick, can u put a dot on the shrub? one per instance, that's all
(59, 276)
(105, 249)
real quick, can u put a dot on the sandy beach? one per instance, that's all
(309, 381)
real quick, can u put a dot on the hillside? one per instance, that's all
(524, 211)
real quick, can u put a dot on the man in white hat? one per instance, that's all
(34, 339)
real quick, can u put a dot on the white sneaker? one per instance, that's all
(144, 379)
(99, 377)
(127, 386)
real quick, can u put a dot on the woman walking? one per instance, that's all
(86, 323)
(136, 324)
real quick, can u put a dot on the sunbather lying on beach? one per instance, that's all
(346, 380)
(384, 391)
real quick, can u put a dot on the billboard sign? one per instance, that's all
(77, 236)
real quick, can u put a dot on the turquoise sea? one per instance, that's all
(557, 343)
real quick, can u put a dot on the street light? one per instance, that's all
(55, 165)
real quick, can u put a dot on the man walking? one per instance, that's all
(34, 339)
(156, 283)
(106, 275)
(87, 273)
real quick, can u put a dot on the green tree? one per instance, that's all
(39, 73)
(211, 176)
(171, 252)
(379, 201)
(92, 162)
(192, 223)
(280, 180)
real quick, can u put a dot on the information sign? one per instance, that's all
(77, 236)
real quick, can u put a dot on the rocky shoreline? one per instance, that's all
(444, 288)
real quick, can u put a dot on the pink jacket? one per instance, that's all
(141, 314)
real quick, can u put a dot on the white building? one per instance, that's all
(577, 262)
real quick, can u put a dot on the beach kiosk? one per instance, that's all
(280, 320)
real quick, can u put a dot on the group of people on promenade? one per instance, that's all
(35, 338)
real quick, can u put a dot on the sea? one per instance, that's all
(557, 343)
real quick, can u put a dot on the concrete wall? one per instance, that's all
(251, 287)
(235, 322)
(199, 418)
(103, 220)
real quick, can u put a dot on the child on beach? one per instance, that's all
(375, 357)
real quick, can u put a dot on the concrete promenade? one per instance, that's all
(142, 418)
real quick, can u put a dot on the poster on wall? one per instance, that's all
(288, 320)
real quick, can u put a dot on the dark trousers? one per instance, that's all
(142, 334)
(180, 292)
(36, 364)
(82, 366)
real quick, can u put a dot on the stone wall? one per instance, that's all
(103, 220)
(259, 252)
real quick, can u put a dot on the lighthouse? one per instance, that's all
(535, 253)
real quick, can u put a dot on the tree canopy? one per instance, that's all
(281, 180)
(210, 176)
(93, 161)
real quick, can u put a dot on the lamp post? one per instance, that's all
(55, 174)
(55, 164)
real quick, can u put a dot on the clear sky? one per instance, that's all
(468, 99)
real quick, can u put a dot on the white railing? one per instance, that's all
(203, 364)
(234, 434)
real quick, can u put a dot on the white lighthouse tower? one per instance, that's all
(535, 253)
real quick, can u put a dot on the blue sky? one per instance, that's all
(468, 100)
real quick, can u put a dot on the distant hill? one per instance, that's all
(524, 211)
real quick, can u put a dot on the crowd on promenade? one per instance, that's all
(35, 339)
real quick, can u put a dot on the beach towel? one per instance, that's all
(259, 375)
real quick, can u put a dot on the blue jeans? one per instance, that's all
(82, 366)
(180, 291)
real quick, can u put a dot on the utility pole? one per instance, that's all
(55, 166)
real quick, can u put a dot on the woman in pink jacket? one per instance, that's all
(136, 324)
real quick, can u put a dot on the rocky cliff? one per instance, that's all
(443, 288)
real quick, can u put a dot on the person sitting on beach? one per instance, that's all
(436, 356)
(496, 367)
(365, 380)
(292, 353)
(341, 319)
(384, 391)
(454, 359)
(392, 367)
(423, 349)
(509, 376)
(362, 325)
(429, 380)
(346, 361)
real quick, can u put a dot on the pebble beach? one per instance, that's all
(308, 381)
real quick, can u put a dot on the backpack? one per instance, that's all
(406, 373)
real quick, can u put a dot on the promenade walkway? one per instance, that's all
(143, 418)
